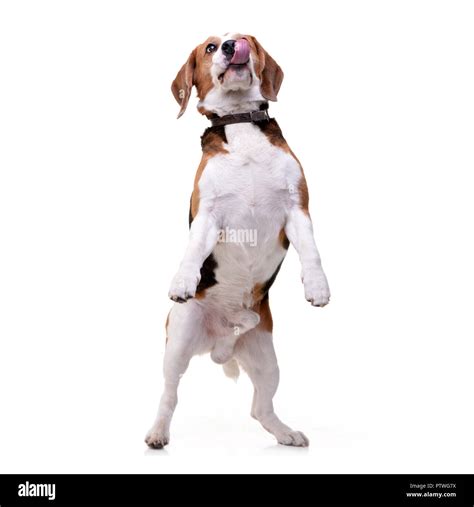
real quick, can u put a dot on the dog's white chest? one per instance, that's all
(252, 180)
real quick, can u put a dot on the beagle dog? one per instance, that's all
(249, 202)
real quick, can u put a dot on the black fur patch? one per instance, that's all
(269, 282)
(208, 274)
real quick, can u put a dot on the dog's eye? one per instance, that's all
(211, 48)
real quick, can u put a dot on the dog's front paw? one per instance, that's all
(316, 288)
(183, 286)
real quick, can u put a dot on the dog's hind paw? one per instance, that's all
(294, 438)
(157, 438)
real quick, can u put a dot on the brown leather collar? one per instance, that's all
(252, 117)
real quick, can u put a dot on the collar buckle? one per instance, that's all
(256, 116)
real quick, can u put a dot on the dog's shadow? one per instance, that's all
(279, 449)
(156, 452)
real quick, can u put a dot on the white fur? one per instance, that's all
(250, 187)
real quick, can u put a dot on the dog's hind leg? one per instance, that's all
(255, 352)
(183, 342)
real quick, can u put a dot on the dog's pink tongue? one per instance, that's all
(241, 52)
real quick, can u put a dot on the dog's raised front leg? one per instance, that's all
(203, 237)
(299, 230)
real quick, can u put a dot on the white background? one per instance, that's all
(96, 174)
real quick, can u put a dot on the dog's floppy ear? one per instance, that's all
(183, 83)
(268, 71)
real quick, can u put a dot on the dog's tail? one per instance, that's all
(231, 369)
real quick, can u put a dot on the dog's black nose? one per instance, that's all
(228, 47)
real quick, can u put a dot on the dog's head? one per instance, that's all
(228, 72)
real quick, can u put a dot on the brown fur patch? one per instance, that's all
(304, 194)
(283, 239)
(195, 194)
(212, 143)
(258, 293)
(195, 71)
(263, 309)
(266, 321)
(266, 68)
(202, 71)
